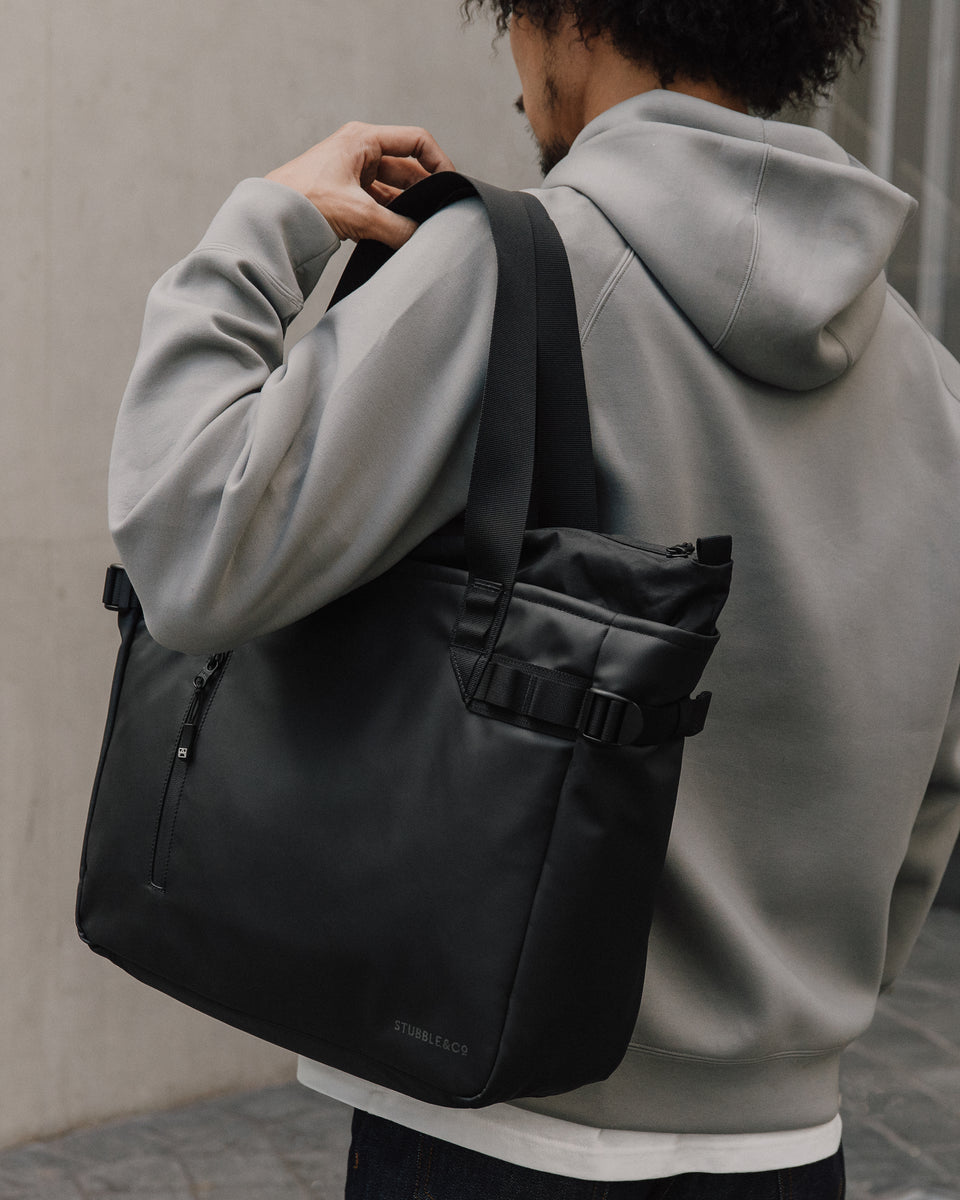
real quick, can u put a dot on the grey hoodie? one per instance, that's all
(749, 372)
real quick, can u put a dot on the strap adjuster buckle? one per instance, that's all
(610, 720)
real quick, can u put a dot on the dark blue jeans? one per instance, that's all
(389, 1162)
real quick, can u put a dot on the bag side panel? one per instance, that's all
(580, 979)
(581, 976)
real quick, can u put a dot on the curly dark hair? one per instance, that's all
(767, 53)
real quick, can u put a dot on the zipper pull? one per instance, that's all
(682, 550)
(213, 665)
(188, 730)
(187, 734)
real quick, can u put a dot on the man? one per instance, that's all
(748, 372)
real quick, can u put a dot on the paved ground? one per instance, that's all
(902, 1120)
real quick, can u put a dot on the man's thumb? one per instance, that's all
(390, 228)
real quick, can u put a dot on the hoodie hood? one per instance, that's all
(768, 236)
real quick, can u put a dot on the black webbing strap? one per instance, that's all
(529, 692)
(418, 203)
(118, 593)
(502, 476)
(566, 486)
(565, 481)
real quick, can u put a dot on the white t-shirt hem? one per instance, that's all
(559, 1147)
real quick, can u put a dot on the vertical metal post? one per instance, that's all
(884, 72)
(937, 163)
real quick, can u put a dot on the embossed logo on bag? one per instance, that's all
(431, 1039)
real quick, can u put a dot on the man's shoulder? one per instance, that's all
(450, 248)
(597, 251)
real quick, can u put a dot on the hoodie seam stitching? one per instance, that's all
(753, 1060)
(605, 293)
(219, 248)
(754, 255)
(842, 344)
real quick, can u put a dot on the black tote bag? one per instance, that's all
(417, 835)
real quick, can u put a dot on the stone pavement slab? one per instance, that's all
(901, 1081)
(277, 1144)
(901, 1087)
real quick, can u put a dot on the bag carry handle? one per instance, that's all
(534, 408)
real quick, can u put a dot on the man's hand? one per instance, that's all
(350, 176)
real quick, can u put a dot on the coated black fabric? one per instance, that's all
(602, 569)
(386, 837)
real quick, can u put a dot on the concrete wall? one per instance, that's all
(123, 124)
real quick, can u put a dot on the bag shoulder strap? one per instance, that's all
(564, 480)
(534, 289)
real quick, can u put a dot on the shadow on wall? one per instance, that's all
(949, 894)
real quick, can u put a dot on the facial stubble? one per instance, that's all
(552, 150)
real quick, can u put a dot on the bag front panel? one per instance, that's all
(404, 944)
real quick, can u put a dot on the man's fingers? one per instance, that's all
(389, 228)
(407, 141)
(401, 173)
(352, 174)
(383, 193)
(358, 216)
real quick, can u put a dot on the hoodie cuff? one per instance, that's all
(276, 226)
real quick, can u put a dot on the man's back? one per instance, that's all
(841, 646)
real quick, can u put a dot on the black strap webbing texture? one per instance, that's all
(578, 709)
(534, 409)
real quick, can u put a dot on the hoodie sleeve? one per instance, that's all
(932, 839)
(246, 492)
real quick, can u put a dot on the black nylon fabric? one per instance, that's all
(357, 855)
(613, 573)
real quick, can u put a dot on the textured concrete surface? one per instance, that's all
(901, 1098)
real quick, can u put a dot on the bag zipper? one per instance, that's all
(188, 730)
(186, 740)
(681, 550)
